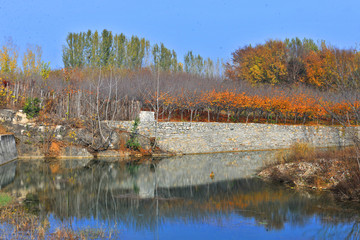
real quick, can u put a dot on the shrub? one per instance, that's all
(32, 107)
(133, 142)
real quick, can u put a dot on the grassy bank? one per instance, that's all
(332, 169)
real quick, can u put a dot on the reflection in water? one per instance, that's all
(7, 173)
(178, 192)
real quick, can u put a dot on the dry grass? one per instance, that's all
(305, 152)
(3, 130)
(297, 152)
(306, 166)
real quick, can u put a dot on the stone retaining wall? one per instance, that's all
(8, 150)
(198, 137)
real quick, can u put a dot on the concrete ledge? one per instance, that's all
(8, 150)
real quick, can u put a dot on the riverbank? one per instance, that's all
(304, 166)
(128, 139)
(36, 140)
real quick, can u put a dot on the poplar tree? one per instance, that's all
(188, 62)
(120, 50)
(88, 48)
(106, 48)
(95, 50)
(209, 68)
(133, 50)
(156, 56)
(68, 52)
(174, 62)
(165, 58)
(198, 65)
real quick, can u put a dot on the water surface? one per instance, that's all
(177, 198)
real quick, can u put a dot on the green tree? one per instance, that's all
(73, 51)
(133, 52)
(199, 65)
(189, 62)
(165, 58)
(95, 50)
(297, 50)
(156, 56)
(106, 48)
(209, 68)
(174, 62)
(120, 50)
(88, 48)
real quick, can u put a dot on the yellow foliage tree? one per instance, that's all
(8, 60)
(261, 64)
(31, 61)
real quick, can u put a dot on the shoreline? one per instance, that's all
(334, 170)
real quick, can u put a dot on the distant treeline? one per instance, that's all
(295, 61)
(91, 49)
(112, 77)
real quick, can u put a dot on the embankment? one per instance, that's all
(8, 150)
(199, 137)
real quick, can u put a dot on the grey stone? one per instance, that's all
(41, 129)
(147, 116)
(194, 137)
(7, 115)
(75, 151)
(59, 137)
(59, 129)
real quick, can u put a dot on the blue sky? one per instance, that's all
(211, 28)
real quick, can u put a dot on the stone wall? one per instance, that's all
(8, 150)
(198, 137)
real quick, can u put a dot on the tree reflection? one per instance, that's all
(107, 191)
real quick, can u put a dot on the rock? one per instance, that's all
(59, 137)
(95, 139)
(20, 118)
(112, 153)
(147, 116)
(7, 115)
(27, 149)
(75, 151)
(41, 129)
(59, 129)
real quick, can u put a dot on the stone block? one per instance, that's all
(147, 116)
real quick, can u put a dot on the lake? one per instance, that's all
(215, 196)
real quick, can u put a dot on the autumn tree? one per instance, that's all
(31, 61)
(320, 66)
(260, 64)
(8, 59)
(298, 50)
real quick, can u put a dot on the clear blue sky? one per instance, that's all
(211, 28)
